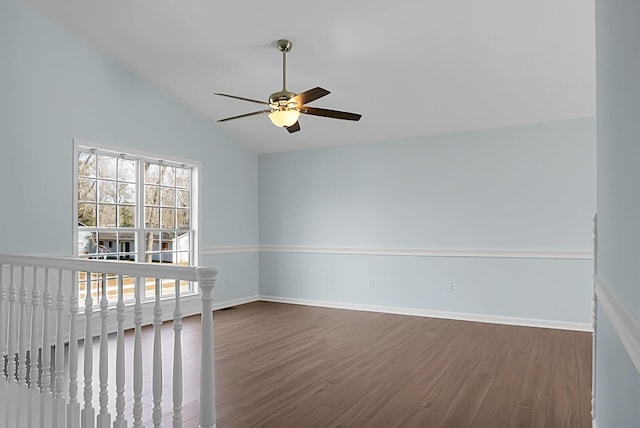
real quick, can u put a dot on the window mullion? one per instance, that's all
(140, 229)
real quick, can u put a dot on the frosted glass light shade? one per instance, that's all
(284, 118)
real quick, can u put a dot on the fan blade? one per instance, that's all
(334, 114)
(294, 128)
(243, 99)
(244, 115)
(310, 95)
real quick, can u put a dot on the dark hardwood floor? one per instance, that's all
(283, 365)
(297, 366)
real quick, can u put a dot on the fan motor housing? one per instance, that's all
(281, 97)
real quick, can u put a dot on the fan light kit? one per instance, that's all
(284, 118)
(284, 107)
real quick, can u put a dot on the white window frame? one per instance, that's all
(82, 145)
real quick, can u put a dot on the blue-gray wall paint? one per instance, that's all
(531, 289)
(526, 188)
(521, 188)
(618, 104)
(55, 88)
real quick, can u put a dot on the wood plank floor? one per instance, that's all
(296, 366)
(283, 365)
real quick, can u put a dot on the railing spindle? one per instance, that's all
(120, 421)
(47, 299)
(36, 337)
(13, 325)
(73, 408)
(23, 361)
(137, 354)
(24, 329)
(104, 418)
(177, 359)
(59, 404)
(12, 351)
(46, 415)
(36, 334)
(87, 415)
(157, 358)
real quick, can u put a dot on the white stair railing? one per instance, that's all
(39, 343)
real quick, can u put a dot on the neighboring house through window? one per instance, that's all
(134, 208)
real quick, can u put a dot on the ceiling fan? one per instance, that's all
(285, 107)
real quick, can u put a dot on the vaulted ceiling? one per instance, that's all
(411, 68)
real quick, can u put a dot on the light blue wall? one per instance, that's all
(617, 380)
(522, 188)
(618, 68)
(526, 188)
(53, 88)
(531, 289)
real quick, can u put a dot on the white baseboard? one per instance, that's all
(493, 319)
(234, 302)
(191, 305)
(594, 424)
(624, 324)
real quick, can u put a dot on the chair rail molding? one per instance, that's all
(625, 326)
(432, 252)
(229, 249)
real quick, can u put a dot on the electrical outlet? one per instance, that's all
(372, 283)
(449, 288)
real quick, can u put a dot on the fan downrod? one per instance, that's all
(280, 98)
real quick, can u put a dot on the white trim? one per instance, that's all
(196, 204)
(625, 326)
(594, 424)
(230, 249)
(493, 319)
(174, 159)
(409, 252)
(234, 302)
(74, 198)
(433, 252)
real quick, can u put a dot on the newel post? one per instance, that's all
(206, 283)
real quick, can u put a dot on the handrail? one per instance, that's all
(187, 273)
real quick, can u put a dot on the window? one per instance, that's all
(133, 208)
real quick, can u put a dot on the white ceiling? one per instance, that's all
(411, 68)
